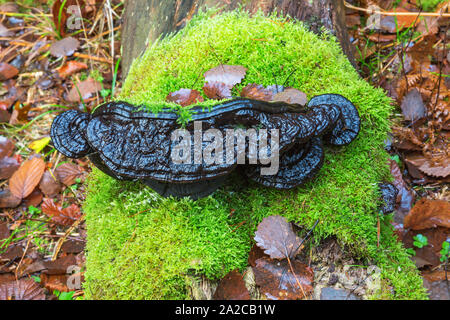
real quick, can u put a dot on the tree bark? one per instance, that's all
(146, 20)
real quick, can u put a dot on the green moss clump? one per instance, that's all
(143, 246)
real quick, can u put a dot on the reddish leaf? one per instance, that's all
(428, 214)
(71, 67)
(7, 71)
(185, 97)
(277, 281)
(86, 89)
(12, 253)
(64, 47)
(4, 231)
(8, 200)
(49, 184)
(217, 90)
(291, 95)
(24, 180)
(55, 282)
(73, 246)
(276, 237)
(380, 37)
(68, 172)
(257, 92)
(232, 287)
(6, 147)
(229, 75)
(7, 167)
(23, 289)
(64, 217)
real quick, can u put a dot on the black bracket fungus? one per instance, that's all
(130, 144)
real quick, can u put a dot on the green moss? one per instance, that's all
(143, 246)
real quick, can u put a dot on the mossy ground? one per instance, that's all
(142, 246)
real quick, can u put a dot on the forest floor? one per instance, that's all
(50, 62)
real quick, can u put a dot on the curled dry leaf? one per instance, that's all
(50, 184)
(232, 287)
(185, 97)
(84, 90)
(68, 172)
(71, 67)
(27, 177)
(60, 265)
(276, 237)
(226, 74)
(405, 198)
(425, 165)
(23, 289)
(277, 281)
(34, 199)
(58, 215)
(64, 47)
(428, 214)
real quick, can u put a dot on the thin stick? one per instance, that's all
(388, 13)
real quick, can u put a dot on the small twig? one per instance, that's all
(63, 238)
(389, 13)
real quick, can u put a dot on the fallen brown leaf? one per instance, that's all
(7, 71)
(232, 287)
(50, 184)
(64, 47)
(227, 74)
(428, 213)
(84, 90)
(27, 177)
(23, 289)
(58, 215)
(68, 172)
(185, 97)
(71, 67)
(217, 90)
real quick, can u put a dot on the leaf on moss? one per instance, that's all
(291, 95)
(184, 97)
(226, 74)
(217, 90)
(232, 287)
(58, 215)
(428, 214)
(27, 177)
(23, 289)
(277, 281)
(277, 238)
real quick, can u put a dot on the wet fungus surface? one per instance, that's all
(130, 144)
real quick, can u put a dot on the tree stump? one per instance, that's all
(146, 20)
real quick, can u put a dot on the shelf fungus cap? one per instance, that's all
(68, 134)
(347, 125)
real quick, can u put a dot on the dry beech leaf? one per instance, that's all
(23, 289)
(185, 97)
(405, 198)
(55, 282)
(229, 75)
(68, 172)
(412, 105)
(4, 231)
(64, 47)
(232, 287)
(34, 199)
(27, 177)
(276, 237)
(428, 213)
(291, 95)
(50, 184)
(86, 89)
(8, 166)
(277, 281)
(71, 67)
(8, 200)
(441, 169)
(217, 90)
(60, 265)
(64, 217)
(257, 92)
(7, 71)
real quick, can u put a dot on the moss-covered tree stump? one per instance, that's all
(143, 246)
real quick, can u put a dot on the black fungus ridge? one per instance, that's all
(130, 144)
